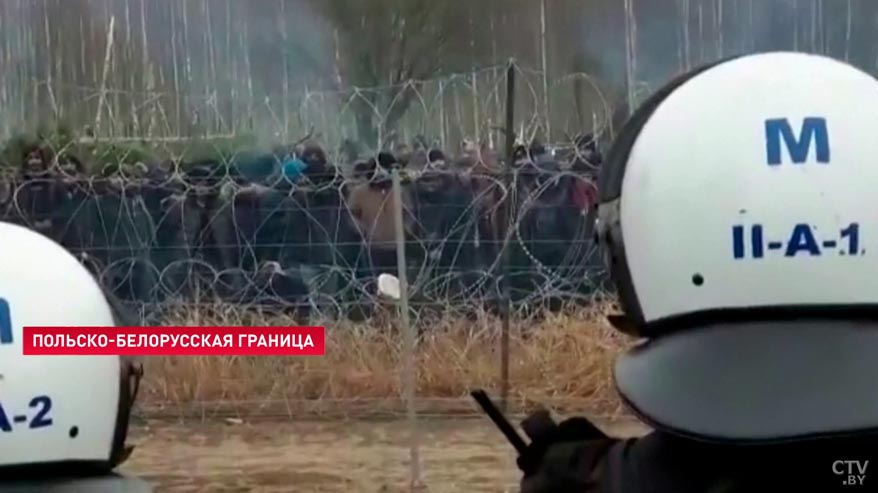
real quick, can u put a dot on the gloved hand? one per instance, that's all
(560, 458)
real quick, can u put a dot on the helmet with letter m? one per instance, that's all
(58, 414)
(735, 218)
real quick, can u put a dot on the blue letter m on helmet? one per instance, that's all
(813, 131)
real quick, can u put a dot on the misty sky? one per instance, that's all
(216, 61)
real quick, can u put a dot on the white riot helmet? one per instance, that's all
(67, 412)
(735, 209)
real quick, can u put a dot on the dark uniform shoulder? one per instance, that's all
(661, 462)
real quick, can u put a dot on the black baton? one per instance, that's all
(497, 417)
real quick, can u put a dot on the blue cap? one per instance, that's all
(293, 168)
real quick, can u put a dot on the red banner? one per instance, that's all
(175, 341)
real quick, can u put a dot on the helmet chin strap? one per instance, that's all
(131, 373)
(129, 382)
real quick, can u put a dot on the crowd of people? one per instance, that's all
(302, 228)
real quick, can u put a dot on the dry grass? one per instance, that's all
(564, 361)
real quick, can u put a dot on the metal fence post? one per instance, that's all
(409, 376)
(506, 302)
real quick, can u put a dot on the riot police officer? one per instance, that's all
(737, 219)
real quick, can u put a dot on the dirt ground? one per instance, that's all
(342, 456)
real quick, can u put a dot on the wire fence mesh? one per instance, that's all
(438, 112)
(162, 216)
(196, 211)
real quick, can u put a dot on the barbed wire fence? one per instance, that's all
(196, 210)
(447, 109)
